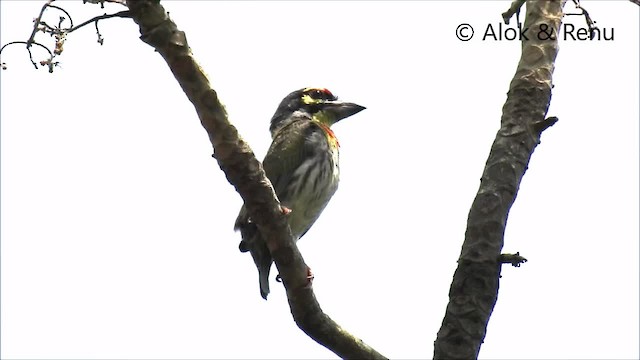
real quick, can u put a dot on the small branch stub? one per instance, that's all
(514, 259)
(543, 125)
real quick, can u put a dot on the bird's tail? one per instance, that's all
(252, 241)
(262, 258)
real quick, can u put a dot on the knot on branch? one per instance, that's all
(156, 27)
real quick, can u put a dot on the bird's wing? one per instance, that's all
(289, 149)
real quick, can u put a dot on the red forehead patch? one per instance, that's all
(323, 90)
(326, 91)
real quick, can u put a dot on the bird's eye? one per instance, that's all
(320, 94)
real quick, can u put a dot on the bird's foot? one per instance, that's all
(309, 277)
(285, 210)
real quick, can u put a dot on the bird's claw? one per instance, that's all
(309, 277)
(285, 210)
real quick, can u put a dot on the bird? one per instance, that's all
(302, 164)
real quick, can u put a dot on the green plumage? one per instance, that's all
(302, 165)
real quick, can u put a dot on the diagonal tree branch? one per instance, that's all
(474, 289)
(245, 172)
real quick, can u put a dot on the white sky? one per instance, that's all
(117, 237)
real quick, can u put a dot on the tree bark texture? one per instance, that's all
(474, 289)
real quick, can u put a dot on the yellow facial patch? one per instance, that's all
(310, 101)
(322, 95)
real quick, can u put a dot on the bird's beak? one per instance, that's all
(340, 110)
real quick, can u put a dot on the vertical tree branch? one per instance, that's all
(474, 289)
(245, 172)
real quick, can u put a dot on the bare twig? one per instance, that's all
(60, 33)
(590, 22)
(51, 55)
(36, 22)
(101, 2)
(513, 9)
(62, 18)
(122, 14)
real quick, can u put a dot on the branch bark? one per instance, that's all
(245, 173)
(474, 289)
